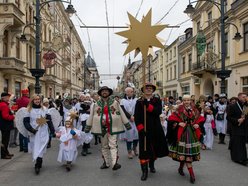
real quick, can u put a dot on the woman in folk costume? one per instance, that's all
(37, 122)
(184, 124)
(70, 139)
(152, 141)
(220, 118)
(209, 126)
(131, 136)
(107, 119)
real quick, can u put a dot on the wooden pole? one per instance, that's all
(144, 82)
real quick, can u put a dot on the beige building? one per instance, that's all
(206, 19)
(18, 57)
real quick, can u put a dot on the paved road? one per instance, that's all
(215, 169)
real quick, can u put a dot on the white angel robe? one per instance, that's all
(68, 146)
(221, 126)
(38, 142)
(130, 135)
(209, 136)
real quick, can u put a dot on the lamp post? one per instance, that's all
(37, 72)
(223, 73)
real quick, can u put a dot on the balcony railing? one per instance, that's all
(199, 68)
(11, 10)
(12, 65)
(66, 82)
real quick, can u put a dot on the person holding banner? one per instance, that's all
(152, 140)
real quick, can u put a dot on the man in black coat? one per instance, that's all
(152, 140)
(238, 117)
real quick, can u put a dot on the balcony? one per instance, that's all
(10, 10)
(66, 61)
(48, 78)
(200, 68)
(12, 65)
(66, 83)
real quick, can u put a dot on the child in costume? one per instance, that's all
(70, 139)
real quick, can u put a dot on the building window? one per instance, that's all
(190, 61)
(245, 84)
(17, 89)
(226, 44)
(170, 54)
(183, 65)
(174, 94)
(6, 85)
(170, 73)
(5, 44)
(168, 93)
(186, 90)
(246, 36)
(167, 57)
(210, 45)
(175, 51)
(210, 18)
(167, 74)
(30, 57)
(17, 3)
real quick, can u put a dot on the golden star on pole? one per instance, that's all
(142, 35)
(41, 121)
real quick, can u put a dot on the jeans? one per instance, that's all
(23, 142)
(130, 143)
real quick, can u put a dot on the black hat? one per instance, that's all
(5, 94)
(105, 88)
(148, 84)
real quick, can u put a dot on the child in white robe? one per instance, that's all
(209, 125)
(70, 139)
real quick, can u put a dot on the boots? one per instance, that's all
(38, 165)
(4, 153)
(104, 166)
(192, 175)
(151, 166)
(180, 169)
(144, 168)
(221, 138)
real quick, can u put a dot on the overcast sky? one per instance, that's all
(93, 12)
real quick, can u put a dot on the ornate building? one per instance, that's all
(18, 57)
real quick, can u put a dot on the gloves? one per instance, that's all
(73, 132)
(146, 102)
(34, 131)
(142, 133)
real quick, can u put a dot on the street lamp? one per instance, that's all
(37, 72)
(223, 73)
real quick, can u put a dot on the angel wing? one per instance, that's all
(19, 116)
(56, 118)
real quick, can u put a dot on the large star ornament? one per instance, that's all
(141, 36)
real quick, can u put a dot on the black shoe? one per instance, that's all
(25, 151)
(104, 166)
(116, 166)
(37, 170)
(68, 168)
(152, 170)
(144, 168)
(96, 143)
(6, 157)
(180, 171)
(192, 180)
(21, 150)
(48, 146)
(11, 155)
(83, 153)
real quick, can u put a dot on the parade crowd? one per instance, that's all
(152, 127)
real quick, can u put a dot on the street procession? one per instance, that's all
(124, 93)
